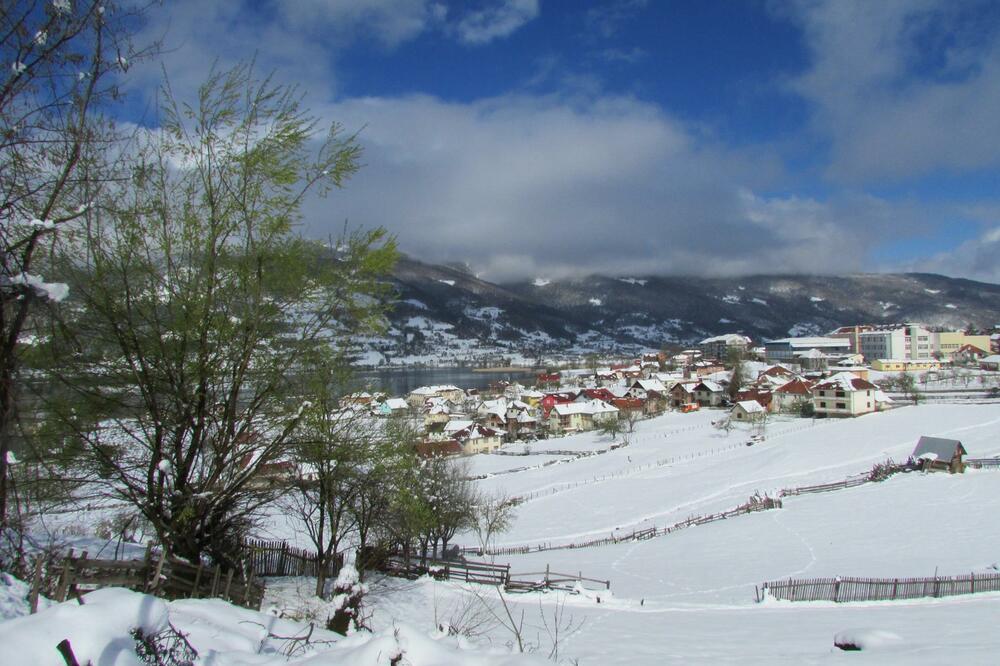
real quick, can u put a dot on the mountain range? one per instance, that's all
(446, 309)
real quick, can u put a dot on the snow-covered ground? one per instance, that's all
(689, 597)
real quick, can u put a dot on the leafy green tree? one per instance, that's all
(199, 306)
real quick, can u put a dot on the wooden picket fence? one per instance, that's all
(980, 463)
(844, 589)
(156, 574)
(880, 472)
(277, 558)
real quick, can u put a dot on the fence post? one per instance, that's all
(197, 581)
(229, 583)
(215, 580)
(154, 581)
(36, 585)
(64, 578)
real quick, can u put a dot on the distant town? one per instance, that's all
(852, 371)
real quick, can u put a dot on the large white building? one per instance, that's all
(905, 342)
(794, 350)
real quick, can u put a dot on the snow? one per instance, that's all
(951, 306)
(55, 291)
(933, 291)
(633, 281)
(686, 597)
(596, 302)
(450, 283)
(420, 305)
(98, 631)
(541, 282)
(14, 598)
(726, 321)
(866, 639)
(816, 299)
(759, 301)
(731, 298)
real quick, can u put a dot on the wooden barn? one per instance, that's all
(937, 454)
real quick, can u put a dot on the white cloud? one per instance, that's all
(901, 87)
(500, 20)
(977, 259)
(525, 185)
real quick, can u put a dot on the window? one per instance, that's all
(823, 405)
(840, 394)
(841, 405)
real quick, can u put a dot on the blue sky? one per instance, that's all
(545, 138)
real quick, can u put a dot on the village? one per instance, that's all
(853, 371)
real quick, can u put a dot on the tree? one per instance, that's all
(611, 426)
(335, 448)
(61, 61)
(199, 306)
(491, 515)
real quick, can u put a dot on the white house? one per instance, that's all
(844, 394)
(578, 416)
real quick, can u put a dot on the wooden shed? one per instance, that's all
(937, 454)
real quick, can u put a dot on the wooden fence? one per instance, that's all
(754, 504)
(879, 472)
(155, 574)
(842, 589)
(980, 463)
(486, 573)
(277, 558)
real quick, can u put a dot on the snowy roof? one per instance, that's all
(995, 358)
(845, 381)
(475, 431)
(943, 449)
(811, 353)
(794, 386)
(434, 390)
(808, 342)
(650, 385)
(592, 407)
(396, 403)
(456, 425)
(711, 386)
(750, 406)
(728, 338)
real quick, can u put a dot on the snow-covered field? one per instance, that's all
(689, 597)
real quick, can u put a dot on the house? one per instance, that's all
(720, 346)
(548, 379)
(552, 399)
(790, 395)
(940, 454)
(477, 438)
(990, 362)
(682, 394)
(968, 354)
(580, 416)
(522, 425)
(640, 387)
(420, 395)
(391, 407)
(844, 394)
(748, 410)
(709, 394)
(761, 396)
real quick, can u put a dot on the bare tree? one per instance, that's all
(492, 515)
(62, 61)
